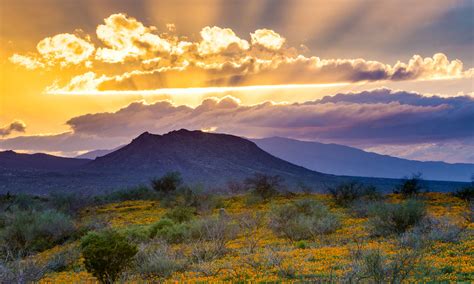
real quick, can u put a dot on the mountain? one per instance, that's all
(42, 162)
(344, 160)
(91, 155)
(202, 158)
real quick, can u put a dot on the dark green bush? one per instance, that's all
(69, 203)
(264, 186)
(303, 219)
(387, 218)
(411, 186)
(134, 193)
(466, 193)
(30, 231)
(347, 193)
(168, 183)
(106, 254)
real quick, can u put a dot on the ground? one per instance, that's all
(326, 257)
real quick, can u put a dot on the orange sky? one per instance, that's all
(114, 53)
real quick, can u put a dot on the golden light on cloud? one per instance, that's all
(190, 91)
(136, 59)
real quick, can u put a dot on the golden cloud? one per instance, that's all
(268, 39)
(218, 58)
(62, 49)
(127, 38)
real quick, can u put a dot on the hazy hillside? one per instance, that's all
(43, 162)
(343, 160)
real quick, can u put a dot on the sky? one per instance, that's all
(393, 77)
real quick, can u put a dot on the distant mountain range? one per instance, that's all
(343, 160)
(44, 162)
(206, 159)
(348, 161)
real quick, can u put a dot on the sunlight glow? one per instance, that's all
(187, 91)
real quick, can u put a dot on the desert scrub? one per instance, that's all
(157, 260)
(302, 220)
(106, 254)
(24, 232)
(395, 218)
(169, 231)
(212, 235)
(180, 214)
(347, 193)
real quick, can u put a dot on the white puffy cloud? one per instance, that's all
(65, 48)
(28, 62)
(218, 40)
(62, 49)
(127, 38)
(268, 39)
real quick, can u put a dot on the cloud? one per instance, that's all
(371, 119)
(133, 56)
(250, 71)
(126, 38)
(28, 62)
(217, 40)
(62, 49)
(374, 117)
(268, 39)
(18, 126)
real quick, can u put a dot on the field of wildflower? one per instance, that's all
(257, 254)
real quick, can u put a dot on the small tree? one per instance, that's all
(106, 254)
(347, 193)
(167, 183)
(411, 186)
(264, 186)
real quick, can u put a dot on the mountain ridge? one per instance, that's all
(345, 160)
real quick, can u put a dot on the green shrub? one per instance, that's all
(69, 203)
(169, 231)
(215, 230)
(374, 266)
(136, 234)
(303, 219)
(134, 193)
(441, 229)
(31, 231)
(180, 214)
(62, 260)
(157, 260)
(106, 254)
(264, 186)
(168, 183)
(347, 193)
(301, 244)
(387, 218)
(411, 186)
(466, 193)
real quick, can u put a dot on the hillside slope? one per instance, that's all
(205, 158)
(344, 160)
